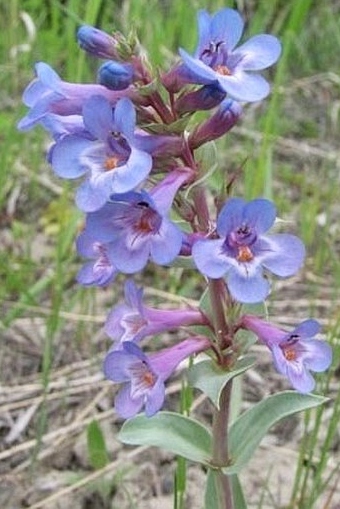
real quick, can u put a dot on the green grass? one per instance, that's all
(303, 109)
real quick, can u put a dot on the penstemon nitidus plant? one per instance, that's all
(132, 141)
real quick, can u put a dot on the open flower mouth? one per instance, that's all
(111, 163)
(244, 254)
(147, 221)
(223, 70)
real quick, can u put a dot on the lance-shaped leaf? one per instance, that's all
(170, 431)
(213, 498)
(248, 430)
(210, 378)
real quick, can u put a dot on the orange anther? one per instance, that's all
(244, 254)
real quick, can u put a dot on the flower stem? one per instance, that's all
(217, 293)
(220, 444)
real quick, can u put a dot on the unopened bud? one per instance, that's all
(96, 42)
(206, 98)
(115, 76)
(226, 116)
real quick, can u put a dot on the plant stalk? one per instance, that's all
(220, 445)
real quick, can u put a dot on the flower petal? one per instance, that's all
(65, 156)
(230, 216)
(117, 364)
(259, 52)
(198, 71)
(282, 253)
(300, 378)
(130, 255)
(307, 329)
(210, 259)
(155, 398)
(98, 116)
(244, 86)
(248, 289)
(227, 26)
(131, 174)
(203, 22)
(166, 244)
(260, 214)
(90, 198)
(125, 405)
(317, 355)
(125, 117)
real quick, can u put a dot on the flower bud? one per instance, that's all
(206, 98)
(226, 116)
(96, 42)
(115, 76)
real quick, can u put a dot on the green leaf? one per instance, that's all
(248, 430)
(170, 431)
(238, 496)
(213, 498)
(96, 446)
(210, 378)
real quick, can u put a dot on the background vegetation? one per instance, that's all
(287, 148)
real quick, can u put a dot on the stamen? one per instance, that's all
(111, 163)
(149, 378)
(213, 48)
(222, 69)
(289, 353)
(144, 225)
(244, 254)
(147, 221)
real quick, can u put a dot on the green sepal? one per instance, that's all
(247, 431)
(176, 127)
(211, 378)
(150, 88)
(173, 432)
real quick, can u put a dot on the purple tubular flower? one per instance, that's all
(110, 159)
(47, 93)
(59, 125)
(224, 119)
(243, 251)
(295, 353)
(115, 75)
(218, 61)
(143, 375)
(100, 271)
(96, 42)
(138, 226)
(206, 98)
(132, 321)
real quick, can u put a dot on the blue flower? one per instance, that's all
(218, 61)
(110, 160)
(137, 224)
(100, 270)
(132, 321)
(143, 376)
(295, 353)
(243, 251)
(48, 93)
